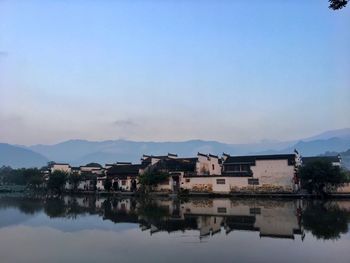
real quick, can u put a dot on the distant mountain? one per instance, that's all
(79, 152)
(316, 147)
(340, 133)
(18, 157)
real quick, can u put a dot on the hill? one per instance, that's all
(18, 157)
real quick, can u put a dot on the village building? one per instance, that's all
(100, 183)
(180, 169)
(260, 173)
(92, 168)
(124, 176)
(62, 167)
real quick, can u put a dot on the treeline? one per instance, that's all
(35, 178)
(30, 176)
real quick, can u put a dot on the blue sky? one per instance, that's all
(234, 71)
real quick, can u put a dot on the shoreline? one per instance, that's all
(188, 194)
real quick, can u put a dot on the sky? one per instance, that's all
(233, 71)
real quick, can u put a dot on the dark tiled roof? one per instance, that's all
(93, 165)
(332, 159)
(251, 159)
(177, 165)
(124, 170)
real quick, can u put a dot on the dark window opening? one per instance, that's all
(253, 181)
(220, 181)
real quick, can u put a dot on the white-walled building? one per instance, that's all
(63, 167)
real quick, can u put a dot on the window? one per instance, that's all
(213, 167)
(255, 211)
(188, 180)
(123, 182)
(165, 182)
(245, 167)
(253, 181)
(220, 181)
(222, 210)
(237, 168)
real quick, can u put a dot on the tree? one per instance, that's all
(74, 180)
(115, 186)
(57, 181)
(107, 184)
(33, 177)
(337, 4)
(152, 178)
(321, 176)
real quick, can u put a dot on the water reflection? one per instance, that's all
(287, 219)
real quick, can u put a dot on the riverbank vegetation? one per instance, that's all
(321, 177)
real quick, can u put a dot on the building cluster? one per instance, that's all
(205, 173)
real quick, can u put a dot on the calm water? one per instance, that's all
(89, 229)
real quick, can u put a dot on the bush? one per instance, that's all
(321, 176)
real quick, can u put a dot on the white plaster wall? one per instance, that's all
(84, 185)
(100, 184)
(164, 187)
(344, 189)
(61, 167)
(202, 183)
(274, 172)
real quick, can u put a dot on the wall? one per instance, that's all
(204, 165)
(100, 184)
(344, 189)
(61, 167)
(197, 184)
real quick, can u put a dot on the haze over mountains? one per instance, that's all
(79, 152)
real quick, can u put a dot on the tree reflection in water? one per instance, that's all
(326, 220)
(269, 218)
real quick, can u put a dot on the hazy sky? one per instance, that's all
(233, 71)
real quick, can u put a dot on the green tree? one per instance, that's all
(115, 186)
(321, 176)
(337, 4)
(57, 180)
(107, 184)
(33, 177)
(74, 180)
(152, 178)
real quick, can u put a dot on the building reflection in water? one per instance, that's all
(268, 218)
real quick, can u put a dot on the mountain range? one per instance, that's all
(79, 152)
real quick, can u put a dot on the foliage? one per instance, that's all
(107, 184)
(152, 178)
(31, 177)
(320, 176)
(57, 180)
(325, 220)
(115, 186)
(74, 180)
(337, 4)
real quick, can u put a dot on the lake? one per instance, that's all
(101, 229)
